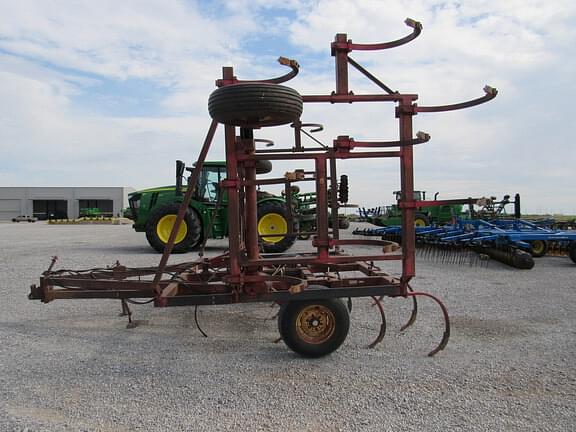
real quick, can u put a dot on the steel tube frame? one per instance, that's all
(244, 275)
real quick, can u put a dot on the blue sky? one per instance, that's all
(110, 93)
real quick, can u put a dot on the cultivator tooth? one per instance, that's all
(382, 332)
(446, 334)
(413, 315)
(451, 254)
(414, 312)
(197, 322)
(558, 248)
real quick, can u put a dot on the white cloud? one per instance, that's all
(55, 52)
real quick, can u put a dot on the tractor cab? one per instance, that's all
(207, 190)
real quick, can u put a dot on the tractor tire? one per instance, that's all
(539, 248)
(160, 225)
(254, 105)
(273, 228)
(421, 221)
(263, 166)
(314, 328)
(343, 223)
(572, 252)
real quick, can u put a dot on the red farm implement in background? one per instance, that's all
(313, 320)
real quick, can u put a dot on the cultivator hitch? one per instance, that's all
(313, 320)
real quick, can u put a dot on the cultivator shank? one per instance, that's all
(309, 285)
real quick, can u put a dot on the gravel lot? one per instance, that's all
(74, 366)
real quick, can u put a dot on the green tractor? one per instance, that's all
(424, 216)
(93, 212)
(306, 211)
(154, 212)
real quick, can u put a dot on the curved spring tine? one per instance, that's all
(382, 332)
(491, 93)
(314, 127)
(269, 143)
(446, 334)
(416, 30)
(414, 313)
(293, 64)
(197, 323)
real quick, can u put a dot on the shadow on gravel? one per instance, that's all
(488, 328)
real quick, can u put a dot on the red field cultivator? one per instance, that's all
(313, 320)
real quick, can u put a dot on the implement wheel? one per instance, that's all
(572, 252)
(160, 225)
(314, 328)
(273, 227)
(254, 105)
(539, 248)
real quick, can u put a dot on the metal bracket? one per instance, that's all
(230, 183)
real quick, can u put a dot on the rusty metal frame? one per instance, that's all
(244, 274)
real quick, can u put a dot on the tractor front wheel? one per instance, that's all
(273, 228)
(314, 328)
(160, 225)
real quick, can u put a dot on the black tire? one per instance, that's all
(521, 260)
(572, 252)
(160, 224)
(273, 225)
(343, 189)
(421, 221)
(314, 328)
(263, 166)
(343, 223)
(539, 248)
(254, 105)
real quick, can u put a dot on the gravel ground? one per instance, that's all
(74, 366)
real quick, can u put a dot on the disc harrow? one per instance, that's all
(514, 242)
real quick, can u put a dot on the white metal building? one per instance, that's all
(61, 202)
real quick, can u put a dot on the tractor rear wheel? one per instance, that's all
(273, 227)
(253, 105)
(160, 225)
(314, 328)
(539, 248)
